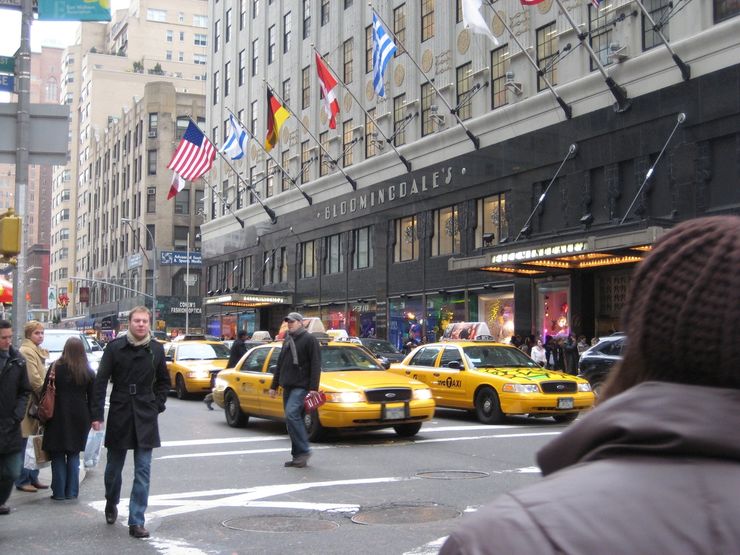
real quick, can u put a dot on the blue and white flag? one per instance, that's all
(235, 146)
(383, 50)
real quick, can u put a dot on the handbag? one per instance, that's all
(41, 455)
(313, 400)
(48, 397)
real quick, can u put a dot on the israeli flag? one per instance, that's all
(235, 146)
(383, 50)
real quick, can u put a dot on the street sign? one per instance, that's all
(49, 133)
(168, 258)
(7, 83)
(7, 64)
(74, 10)
(52, 292)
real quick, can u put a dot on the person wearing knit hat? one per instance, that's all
(650, 469)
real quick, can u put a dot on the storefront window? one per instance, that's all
(406, 319)
(333, 317)
(496, 310)
(553, 308)
(362, 319)
(443, 309)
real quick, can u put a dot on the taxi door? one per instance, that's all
(421, 366)
(269, 406)
(448, 378)
(250, 379)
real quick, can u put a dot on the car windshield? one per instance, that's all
(340, 359)
(54, 342)
(379, 346)
(487, 355)
(203, 351)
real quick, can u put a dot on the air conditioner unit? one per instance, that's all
(152, 133)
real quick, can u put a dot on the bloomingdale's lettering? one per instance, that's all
(387, 194)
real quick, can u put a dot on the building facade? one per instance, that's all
(531, 193)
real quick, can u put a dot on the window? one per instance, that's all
(271, 44)
(333, 256)
(151, 162)
(305, 156)
(286, 32)
(406, 241)
(182, 126)
(153, 122)
(362, 248)
(347, 143)
(168, 55)
(253, 118)
(169, 35)
(399, 120)
(200, 39)
(659, 11)
(151, 200)
(347, 4)
(307, 263)
(180, 234)
(371, 134)
(227, 31)
(306, 18)
(306, 87)
(286, 92)
(601, 33)
(348, 60)
(399, 28)
(227, 78)
(324, 12)
(216, 35)
(500, 64)
(255, 56)
(458, 11)
(446, 239)
(368, 49)
(427, 97)
(324, 167)
(491, 221)
(242, 66)
(547, 52)
(200, 21)
(725, 9)
(464, 83)
(242, 13)
(285, 182)
(427, 19)
(150, 235)
(181, 56)
(216, 86)
(156, 15)
(182, 202)
(270, 179)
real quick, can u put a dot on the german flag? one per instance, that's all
(276, 116)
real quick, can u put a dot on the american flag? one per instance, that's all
(383, 50)
(194, 155)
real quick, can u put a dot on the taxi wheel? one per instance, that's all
(233, 412)
(316, 432)
(487, 407)
(565, 418)
(408, 430)
(181, 389)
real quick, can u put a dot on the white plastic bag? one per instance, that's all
(93, 447)
(29, 460)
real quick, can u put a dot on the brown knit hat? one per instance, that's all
(682, 315)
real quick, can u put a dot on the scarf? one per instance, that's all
(137, 342)
(290, 344)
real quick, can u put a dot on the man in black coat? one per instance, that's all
(237, 349)
(14, 391)
(135, 364)
(298, 372)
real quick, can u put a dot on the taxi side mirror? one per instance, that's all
(168, 358)
(454, 364)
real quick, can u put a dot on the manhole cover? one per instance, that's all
(452, 474)
(404, 514)
(278, 524)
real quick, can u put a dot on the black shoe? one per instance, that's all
(301, 461)
(111, 513)
(138, 531)
(289, 463)
(4, 510)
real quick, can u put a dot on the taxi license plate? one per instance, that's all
(395, 413)
(565, 403)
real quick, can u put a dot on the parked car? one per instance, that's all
(596, 362)
(54, 340)
(194, 364)
(360, 393)
(383, 350)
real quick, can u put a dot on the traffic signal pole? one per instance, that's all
(23, 136)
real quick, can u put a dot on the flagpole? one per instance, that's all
(270, 212)
(375, 123)
(623, 102)
(684, 67)
(475, 140)
(278, 164)
(351, 181)
(566, 107)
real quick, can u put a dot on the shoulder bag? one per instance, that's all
(313, 400)
(48, 397)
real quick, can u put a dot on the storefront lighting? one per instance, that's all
(610, 261)
(506, 270)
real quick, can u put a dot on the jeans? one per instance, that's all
(65, 474)
(10, 469)
(294, 412)
(27, 476)
(139, 491)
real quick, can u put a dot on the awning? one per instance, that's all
(248, 300)
(573, 253)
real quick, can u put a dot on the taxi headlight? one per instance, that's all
(345, 397)
(520, 388)
(584, 387)
(422, 394)
(220, 384)
(199, 374)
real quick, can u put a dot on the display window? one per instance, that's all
(496, 310)
(442, 310)
(333, 317)
(406, 318)
(362, 319)
(553, 308)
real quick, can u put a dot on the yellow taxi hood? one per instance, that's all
(526, 375)
(203, 364)
(364, 379)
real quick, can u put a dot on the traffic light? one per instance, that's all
(10, 234)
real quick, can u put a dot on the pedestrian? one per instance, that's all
(298, 371)
(582, 345)
(238, 349)
(136, 366)
(650, 469)
(538, 353)
(35, 356)
(14, 392)
(570, 355)
(65, 434)
(526, 347)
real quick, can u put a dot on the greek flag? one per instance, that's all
(236, 143)
(383, 50)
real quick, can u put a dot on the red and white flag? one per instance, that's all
(328, 85)
(178, 184)
(194, 155)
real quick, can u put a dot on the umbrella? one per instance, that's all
(6, 291)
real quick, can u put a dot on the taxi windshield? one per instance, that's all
(490, 355)
(343, 359)
(203, 351)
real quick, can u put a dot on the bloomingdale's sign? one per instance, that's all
(367, 200)
(564, 249)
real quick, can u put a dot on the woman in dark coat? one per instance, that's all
(66, 433)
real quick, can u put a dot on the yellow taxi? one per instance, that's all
(494, 380)
(194, 364)
(360, 393)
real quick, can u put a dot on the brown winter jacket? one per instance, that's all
(35, 365)
(653, 470)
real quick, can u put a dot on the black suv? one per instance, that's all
(595, 363)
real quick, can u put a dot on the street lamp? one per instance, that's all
(130, 221)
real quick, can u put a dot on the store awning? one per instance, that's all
(248, 300)
(577, 252)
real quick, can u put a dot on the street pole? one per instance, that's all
(129, 221)
(187, 286)
(23, 136)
